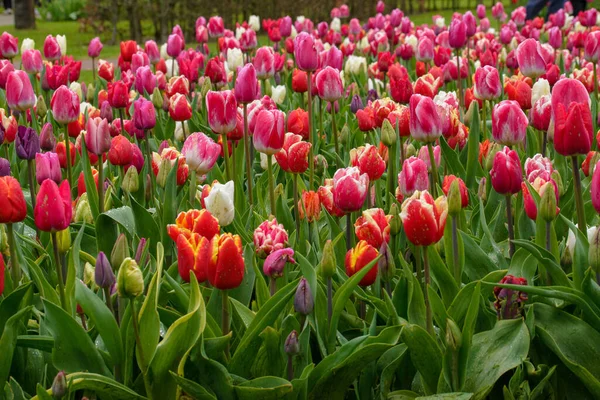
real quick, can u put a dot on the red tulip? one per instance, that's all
(293, 157)
(19, 93)
(425, 122)
(64, 105)
(401, 89)
(12, 201)
(305, 52)
(215, 26)
(350, 189)
(518, 90)
(369, 161)
(413, 176)
(225, 268)
(424, 218)
(215, 70)
(373, 226)
(541, 113)
(221, 108)
(106, 71)
(178, 84)
(118, 94)
(509, 123)
(540, 185)
(172, 155)
(62, 153)
(427, 85)
(464, 193)
(193, 253)
(269, 131)
(175, 45)
(297, 122)
(179, 108)
(51, 48)
(53, 209)
(309, 206)
(121, 151)
(128, 49)
(506, 172)
(366, 119)
(573, 132)
(359, 257)
(191, 222)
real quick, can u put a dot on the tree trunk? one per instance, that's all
(24, 14)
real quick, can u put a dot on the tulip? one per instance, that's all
(509, 123)
(27, 143)
(373, 227)
(106, 71)
(269, 132)
(293, 157)
(175, 44)
(121, 151)
(47, 167)
(264, 63)
(487, 83)
(540, 185)
(151, 48)
(463, 192)
(95, 47)
(19, 93)
(128, 49)
(32, 61)
(8, 45)
(303, 299)
(458, 34)
(275, 263)
(506, 173)
(200, 153)
(530, 58)
(592, 47)
(145, 80)
(573, 132)
(268, 237)
(12, 202)
(104, 276)
(305, 52)
(4, 167)
(191, 222)
(179, 108)
(509, 302)
(226, 265)
(350, 189)
(329, 84)
(97, 137)
(130, 280)
(540, 114)
(6, 67)
(413, 177)
(309, 206)
(52, 50)
(220, 202)
(595, 189)
(326, 198)
(222, 111)
(62, 154)
(215, 26)
(192, 256)
(297, 122)
(425, 123)
(358, 258)
(246, 85)
(118, 94)
(64, 105)
(53, 208)
(144, 114)
(425, 50)
(369, 161)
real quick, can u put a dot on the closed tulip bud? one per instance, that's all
(555, 175)
(246, 84)
(547, 208)
(40, 108)
(386, 264)
(328, 264)
(97, 136)
(329, 84)
(157, 99)
(64, 240)
(163, 172)
(454, 198)
(120, 250)
(509, 123)
(83, 212)
(395, 221)
(457, 34)
(53, 207)
(303, 300)
(90, 93)
(320, 164)
(344, 134)
(453, 335)
(305, 52)
(356, 104)
(425, 122)
(481, 190)
(506, 173)
(424, 218)
(131, 181)
(220, 202)
(65, 105)
(95, 47)
(4, 167)
(130, 281)
(292, 347)
(206, 86)
(388, 134)
(276, 261)
(19, 92)
(103, 274)
(59, 385)
(531, 59)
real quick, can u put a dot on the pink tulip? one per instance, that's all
(145, 80)
(498, 11)
(47, 166)
(200, 152)
(413, 177)
(95, 47)
(175, 44)
(509, 123)
(32, 61)
(19, 93)
(506, 173)
(555, 37)
(264, 62)
(380, 8)
(329, 84)
(151, 48)
(487, 84)
(332, 58)
(221, 108)
(592, 46)
(458, 34)
(6, 67)
(481, 11)
(248, 40)
(425, 122)
(139, 59)
(8, 45)
(269, 131)
(425, 50)
(97, 136)
(246, 86)
(531, 59)
(567, 91)
(216, 28)
(424, 156)
(595, 188)
(305, 52)
(144, 114)
(51, 48)
(470, 22)
(285, 26)
(350, 189)
(541, 113)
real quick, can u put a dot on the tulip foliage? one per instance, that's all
(349, 209)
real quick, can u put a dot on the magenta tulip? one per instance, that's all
(269, 131)
(19, 93)
(221, 108)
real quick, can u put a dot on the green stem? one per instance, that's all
(59, 272)
(68, 151)
(457, 274)
(140, 350)
(31, 176)
(247, 155)
(14, 259)
(428, 314)
(329, 299)
(100, 184)
(271, 190)
(272, 286)
(349, 227)
(578, 196)
(509, 221)
(434, 176)
(391, 185)
(484, 118)
(226, 155)
(334, 133)
(183, 130)
(311, 159)
(225, 318)
(149, 165)
(193, 189)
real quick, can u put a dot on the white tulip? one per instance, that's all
(239, 31)
(294, 32)
(28, 44)
(336, 24)
(172, 67)
(412, 41)
(220, 202)
(440, 22)
(179, 130)
(254, 23)
(355, 64)
(540, 88)
(235, 59)
(278, 94)
(62, 43)
(571, 241)
(76, 87)
(300, 19)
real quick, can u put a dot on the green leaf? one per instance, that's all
(575, 342)
(73, 349)
(178, 340)
(103, 319)
(19, 298)
(145, 225)
(250, 343)
(191, 388)
(425, 354)
(493, 353)
(468, 330)
(580, 258)
(98, 384)
(266, 388)
(451, 159)
(441, 276)
(8, 340)
(43, 286)
(473, 150)
(477, 262)
(388, 365)
(106, 224)
(555, 272)
(39, 342)
(90, 184)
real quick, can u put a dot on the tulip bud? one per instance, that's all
(328, 261)
(64, 240)
(163, 172)
(47, 139)
(320, 164)
(453, 335)
(547, 208)
(344, 134)
(120, 250)
(386, 265)
(356, 104)
(88, 274)
(410, 151)
(292, 347)
(481, 191)
(83, 212)
(473, 108)
(388, 134)
(276, 261)
(90, 93)
(594, 252)
(130, 281)
(59, 386)
(555, 175)
(157, 99)
(454, 198)
(206, 86)
(303, 300)
(41, 108)
(140, 250)
(395, 221)
(103, 274)
(3, 239)
(489, 160)
(131, 181)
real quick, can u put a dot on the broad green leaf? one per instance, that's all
(580, 258)
(468, 330)
(493, 353)
(8, 340)
(425, 354)
(73, 349)
(107, 223)
(145, 225)
(555, 272)
(97, 384)
(388, 364)
(477, 262)
(18, 299)
(43, 286)
(441, 276)
(39, 342)
(575, 342)
(266, 387)
(193, 389)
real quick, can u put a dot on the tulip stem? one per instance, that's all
(68, 151)
(225, 318)
(484, 118)
(14, 259)
(578, 196)
(192, 188)
(509, 221)
(402, 156)
(391, 161)
(247, 155)
(434, 176)
(59, 272)
(459, 81)
(428, 314)
(290, 368)
(334, 133)
(94, 70)
(296, 209)
(108, 300)
(100, 184)
(457, 274)
(140, 350)
(183, 130)
(329, 299)
(348, 231)
(271, 190)
(272, 286)
(149, 164)
(225, 145)
(31, 175)
(311, 159)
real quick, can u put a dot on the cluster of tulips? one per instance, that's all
(309, 166)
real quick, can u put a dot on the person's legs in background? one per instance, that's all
(578, 5)
(7, 6)
(555, 5)
(534, 7)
